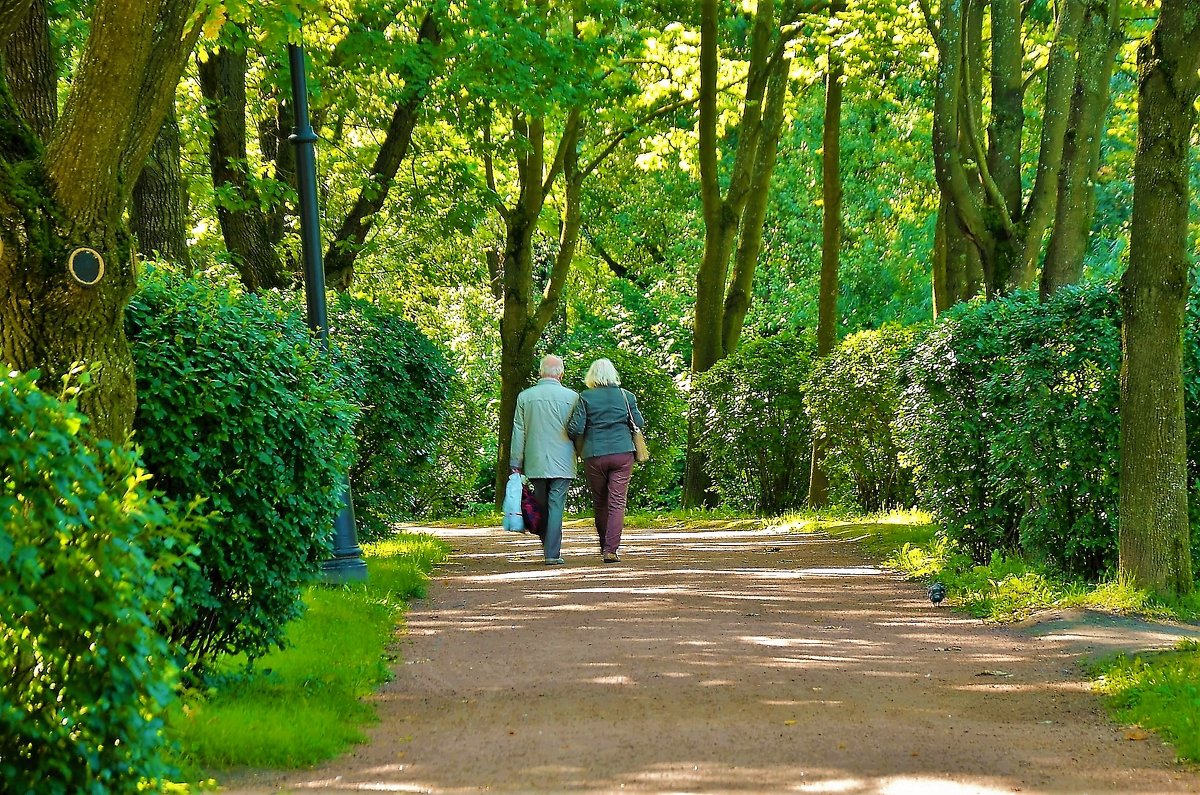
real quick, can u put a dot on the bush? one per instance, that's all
(756, 436)
(401, 381)
(1010, 422)
(87, 560)
(451, 486)
(656, 482)
(237, 404)
(852, 398)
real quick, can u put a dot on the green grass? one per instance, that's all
(1159, 692)
(304, 704)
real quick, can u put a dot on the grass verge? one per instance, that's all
(302, 705)
(1158, 692)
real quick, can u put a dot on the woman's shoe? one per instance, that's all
(611, 557)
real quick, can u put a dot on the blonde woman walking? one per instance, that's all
(604, 418)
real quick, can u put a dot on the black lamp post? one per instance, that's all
(346, 565)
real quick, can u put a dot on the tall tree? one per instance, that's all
(65, 185)
(1154, 542)
(831, 246)
(981, 180)
(735, 217)
(251, 232)
(158, 213)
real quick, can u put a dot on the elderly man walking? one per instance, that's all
(541, 449)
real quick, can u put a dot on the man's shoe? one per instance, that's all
(554, 561)
(611, 557)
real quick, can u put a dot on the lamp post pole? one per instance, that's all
(347, 564)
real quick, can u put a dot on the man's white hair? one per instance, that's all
(551, 366)
(602, 373)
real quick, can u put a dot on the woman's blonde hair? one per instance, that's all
(601, 373)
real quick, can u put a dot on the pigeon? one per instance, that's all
(937, 592)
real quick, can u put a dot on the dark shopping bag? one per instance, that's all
(534, 513)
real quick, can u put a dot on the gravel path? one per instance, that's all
(722, 661)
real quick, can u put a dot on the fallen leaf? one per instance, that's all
(1137, 734)
(789, 723)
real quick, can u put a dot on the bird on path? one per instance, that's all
(937, 593)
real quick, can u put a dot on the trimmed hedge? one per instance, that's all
(401, 381)
(87, 566)
(239, 406)
(757, 436)
(1010, 422)
(851, 399)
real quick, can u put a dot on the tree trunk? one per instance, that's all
(30, 73)
(158, 214)
(831, 244)
(244, 225)
(1099, 42)
(72, 194)
(1154, 543)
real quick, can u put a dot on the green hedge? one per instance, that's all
(852, 398)
(1010, 422)
(756, 434)
(239, 406)
(401, 381)
(87, 565)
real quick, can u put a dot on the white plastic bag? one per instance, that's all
(513, 520)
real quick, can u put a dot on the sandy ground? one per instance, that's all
(729, 661)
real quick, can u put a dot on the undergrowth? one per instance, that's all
(301, 705)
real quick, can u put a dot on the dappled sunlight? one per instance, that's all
(757, 662)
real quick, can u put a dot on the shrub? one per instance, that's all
(87, 560)
(238, 405)
(451, 485)
(401, 381)
(852, 398)
(757, 437)
(656, 482)
(1010, 422)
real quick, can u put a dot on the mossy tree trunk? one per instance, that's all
(66, 185)
(1154, 542)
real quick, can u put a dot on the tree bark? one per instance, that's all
(732, 219)
(348, 240)
(244, 226)
(1154, 541)
(30, 72)
(158, 213)
(831, 244)
(73, 192)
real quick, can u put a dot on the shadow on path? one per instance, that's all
(722, 661)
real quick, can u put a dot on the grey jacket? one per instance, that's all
(602, 420)
(540, 447)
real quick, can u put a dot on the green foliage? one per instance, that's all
(851, 399)
(1010, 424)
(304, 704)
(237, 405)
(87, 566)
(400, 381)
(1159, 692)
(656, 482)
(756, 434)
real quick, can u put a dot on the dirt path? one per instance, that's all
(722, 662)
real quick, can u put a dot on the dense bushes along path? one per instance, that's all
(722, 661)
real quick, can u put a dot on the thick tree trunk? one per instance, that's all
(158, 213)
(244, 225)
(1154, 542)
(831, 246)
(1099, 41)
(72, 194)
